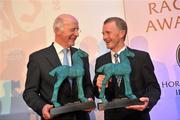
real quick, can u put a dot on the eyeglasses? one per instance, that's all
(75, 30)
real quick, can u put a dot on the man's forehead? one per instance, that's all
(70, 21)
(71, 24)
(110, 26)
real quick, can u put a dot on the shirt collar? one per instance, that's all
(122, 49)
(58, 47)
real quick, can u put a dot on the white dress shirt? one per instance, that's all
(59, 50)
(112, 54)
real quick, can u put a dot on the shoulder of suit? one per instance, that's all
(76, 49)
(41, 51)
(138, 52)
(103, 56)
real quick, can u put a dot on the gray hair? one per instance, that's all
(58, 23)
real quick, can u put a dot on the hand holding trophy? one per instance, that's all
(76, 71)
(121, 69)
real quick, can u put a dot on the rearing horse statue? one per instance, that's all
(75, 71)
(121, 69)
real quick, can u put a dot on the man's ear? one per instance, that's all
(58, 30)
(121, 33)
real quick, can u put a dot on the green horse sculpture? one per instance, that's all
(75, 71)
(121, 69)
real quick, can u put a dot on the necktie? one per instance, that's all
(65, 61)
(117, 77)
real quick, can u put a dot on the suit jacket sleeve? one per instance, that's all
(31, 92)
(88, 87)
(96, 92)
(152, 87)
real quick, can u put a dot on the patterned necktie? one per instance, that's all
(117, 77)
(65, 61)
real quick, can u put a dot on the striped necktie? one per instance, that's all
(119, 78)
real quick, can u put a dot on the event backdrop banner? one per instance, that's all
(26, 26)
(154, 26)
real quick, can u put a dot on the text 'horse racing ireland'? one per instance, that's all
(75, 71)
(121, 69)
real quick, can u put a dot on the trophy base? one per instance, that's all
(119, 103)
(71, 107)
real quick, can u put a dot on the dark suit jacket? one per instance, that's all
(143, 83)
(39, 84)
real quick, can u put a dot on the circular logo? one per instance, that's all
(178, 55)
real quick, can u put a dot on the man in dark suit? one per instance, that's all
(39, 84)
(142, 78)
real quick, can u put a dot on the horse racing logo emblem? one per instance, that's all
(178, 55)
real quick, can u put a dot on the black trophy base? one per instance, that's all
(71, 107)
(119, 103)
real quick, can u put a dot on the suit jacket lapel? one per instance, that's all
(52, 56)
(132, 61)
(108, 58)
(73, 50)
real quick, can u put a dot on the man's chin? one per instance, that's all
(72, 44)
(108, 46)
